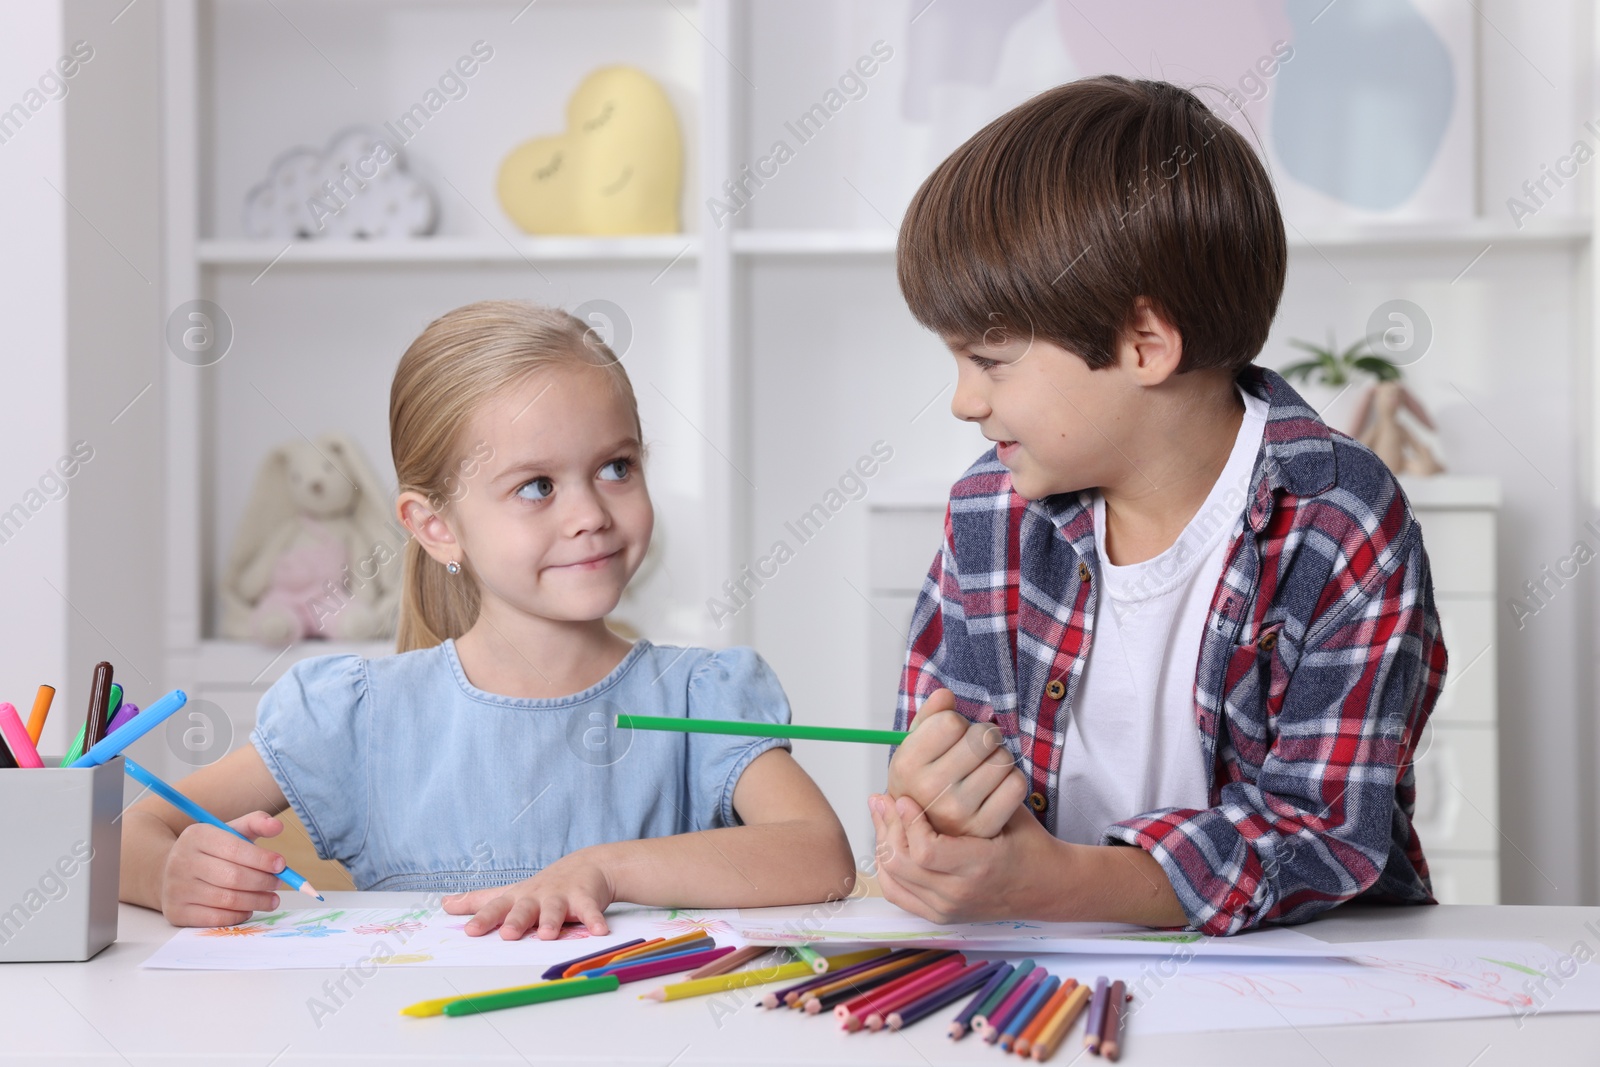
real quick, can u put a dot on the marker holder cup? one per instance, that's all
(60, 854)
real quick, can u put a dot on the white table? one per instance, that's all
(108, 1010)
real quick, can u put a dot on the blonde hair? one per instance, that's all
(462, 359)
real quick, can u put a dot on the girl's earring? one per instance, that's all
(453, 567)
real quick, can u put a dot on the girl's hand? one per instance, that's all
(574, 888)
(212, 878)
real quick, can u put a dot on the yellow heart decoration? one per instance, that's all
(617, 169)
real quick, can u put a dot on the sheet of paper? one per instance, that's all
(874, 921)
(408, 937)
(1412, 981)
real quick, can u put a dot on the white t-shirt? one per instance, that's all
(1132, 744)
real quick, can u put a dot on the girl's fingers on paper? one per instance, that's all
(461, 903)
(552, 917)
(523, 914)
(489, 915)
(591, 915)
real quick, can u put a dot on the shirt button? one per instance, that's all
(1267, 640)
(1036, 801)
(1055, 690)
(1083, 571)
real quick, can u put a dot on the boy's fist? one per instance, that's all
(214, 879)
(960, 773)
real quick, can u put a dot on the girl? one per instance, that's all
(485, 752)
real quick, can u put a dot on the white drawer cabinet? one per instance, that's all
(1458, 794)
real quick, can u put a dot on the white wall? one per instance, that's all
(33, 431)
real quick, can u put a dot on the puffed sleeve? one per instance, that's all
(730, 683)
(312, 729)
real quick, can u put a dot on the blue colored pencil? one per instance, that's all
(135, 728)
(1030, 1007)
(963, 984)
(960, 1024)
(199, 814)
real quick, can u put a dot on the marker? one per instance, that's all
(761, 729)
(199, 814)
(99, 700)
(80, 742)
(120, 719)
(41, 708)
(23, 754)
(137, 727)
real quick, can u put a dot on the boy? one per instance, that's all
(1173, 609)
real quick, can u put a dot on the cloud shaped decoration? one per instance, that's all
(356, 188)
(1363, 107)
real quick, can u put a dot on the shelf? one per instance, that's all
(664, 248)
(814, 242)
(1473, 233)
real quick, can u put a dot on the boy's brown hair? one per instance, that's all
(1052, 219)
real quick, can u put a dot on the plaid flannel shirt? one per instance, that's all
(1321, 661)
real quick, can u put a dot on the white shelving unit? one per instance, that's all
(769, 351)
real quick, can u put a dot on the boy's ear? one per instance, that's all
(1150, 347)
(427, 526)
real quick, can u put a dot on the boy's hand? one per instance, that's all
(959, 773)
(573, 888)
(950, 879)
(212, 878)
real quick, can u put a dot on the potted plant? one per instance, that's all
(1377, 423)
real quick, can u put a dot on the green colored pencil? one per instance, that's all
(533, 994)
(761, 729)
(808, 955)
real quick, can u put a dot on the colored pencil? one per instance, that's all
(535, 994)
(934, 978)
(761, 729)
(980, 1019)
(669, 965)
(825, 997)
(601, 959)
(1020, 1019)
(161, 789)
(655, 948)
(1041, 1019)
(554, 971)
(143, 723)
(718, 983)
(16, 739)
(854, 1011)
(733, 961)
(424, 1009)
(960, 1024)
(1097, 1017)
(1013, 1002)
(964, 983)
(791, 995)
(1111, 1035)
(807, 954)
(694, 948)
(41, 709)
(1056, 1030)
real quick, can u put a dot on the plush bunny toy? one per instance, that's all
(314, 556)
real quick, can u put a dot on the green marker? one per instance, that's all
(533, 994)
(113, 702)
(761, 729)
